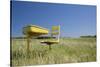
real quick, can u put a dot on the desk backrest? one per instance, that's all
(55, 31)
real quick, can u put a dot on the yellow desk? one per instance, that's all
(31, 31)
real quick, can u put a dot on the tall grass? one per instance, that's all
(69, 50)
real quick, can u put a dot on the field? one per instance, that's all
(69, 50)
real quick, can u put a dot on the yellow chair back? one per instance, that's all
(55, 31)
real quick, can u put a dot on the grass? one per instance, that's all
(69, 50)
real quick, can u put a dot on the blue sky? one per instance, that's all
(75, 20)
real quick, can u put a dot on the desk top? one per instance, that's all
(34, 30)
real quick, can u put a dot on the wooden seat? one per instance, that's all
(50, 42)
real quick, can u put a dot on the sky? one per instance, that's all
(74, 20)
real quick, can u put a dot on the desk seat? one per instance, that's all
(50, 42)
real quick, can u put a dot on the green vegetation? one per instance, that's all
(69, 50)
(89, 36)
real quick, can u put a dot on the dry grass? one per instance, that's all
(69, 50)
